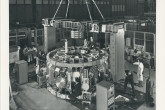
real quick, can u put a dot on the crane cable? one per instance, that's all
(87, 8)
(98, 10)
(57, 10)
(89, 11)
(67, 9)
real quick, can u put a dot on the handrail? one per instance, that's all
(141, 32)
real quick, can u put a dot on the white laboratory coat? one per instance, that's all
(37, 69)
(139, 70)
(37, 61)
(75, 75)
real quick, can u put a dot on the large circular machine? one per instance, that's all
(76, 57)
(76, 65)
(76, 70)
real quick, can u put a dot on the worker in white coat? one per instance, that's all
(37, 69)
(140, 72)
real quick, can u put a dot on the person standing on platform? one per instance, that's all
(37, 69)
(30, 59)
(140, 72)
(34, 55)
(101, 76)
(85, 43)
(76, 90)
(135, 55)
(129, 79)
(37, 61)
(25, 53)
(149, 60)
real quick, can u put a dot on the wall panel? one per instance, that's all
(140, 9)
(28, 1)
(28, 13)
(21, 13)
(109, 8)
(12, 13)
(131, 8)
(39, 13)
(72, 11)
(52, 9)
(20, 1)
(105, 9)
(45, 11)
(95, 12)
(62, 11)
(12, 1)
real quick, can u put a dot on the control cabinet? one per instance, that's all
(21, 71)
(49, 38)
(105, 96)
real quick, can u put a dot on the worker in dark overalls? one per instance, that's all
(76, 90)
(129, 79)
(135, 55)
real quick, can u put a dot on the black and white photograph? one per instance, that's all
(82, 55)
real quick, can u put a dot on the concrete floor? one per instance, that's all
(143, 89)
(32, 98)
(40, 99)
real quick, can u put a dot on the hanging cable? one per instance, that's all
(89, 11)
(57, 10)
(67, 9)
(98, 9)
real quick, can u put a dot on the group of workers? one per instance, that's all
(130, 79)
(148, 58)
(30, 53)
(34, 56)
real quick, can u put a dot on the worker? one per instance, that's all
(37, 69)
(91, 39)
(39, 53)
(76, 90)
(92, 79)
(129, 79)
(135, 55)
(30, 58)
(36, 60)
(25, 53)
(139, 72)
(85, 43)
(152, 62)
(149, 60)
(101, 76)
(92, 43)
(34, 55)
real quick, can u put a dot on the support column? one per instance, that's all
(106, 42)
(144, 42)
(113, 56)
(125, 26)
(120, 47)
(34, 10)
(133, 39)
(35, 38)
(49, 38)
(154, 50)
(117, 52)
